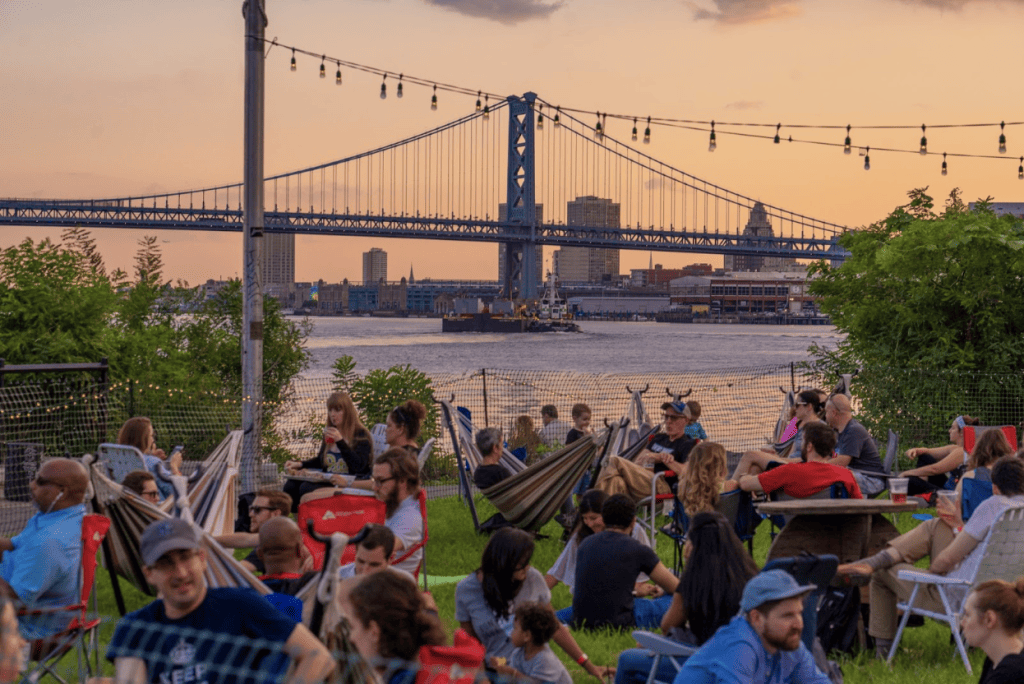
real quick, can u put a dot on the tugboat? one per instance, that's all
(552, 316)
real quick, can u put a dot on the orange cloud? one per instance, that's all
(747, 11)
(502, 11)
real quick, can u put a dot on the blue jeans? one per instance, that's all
(647, 613)
(634, 667)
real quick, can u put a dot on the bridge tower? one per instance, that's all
(521, 265)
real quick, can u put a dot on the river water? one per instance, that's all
(602, 346)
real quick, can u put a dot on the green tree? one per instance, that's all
(54, 306)
(924, 295)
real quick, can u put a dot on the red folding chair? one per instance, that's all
(973, 432)
(458, 664)
(346, 512)
(421, 544)
(47, 652)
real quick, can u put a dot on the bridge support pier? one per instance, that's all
(521, 267)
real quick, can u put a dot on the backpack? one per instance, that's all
(838, 614)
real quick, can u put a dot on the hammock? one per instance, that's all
(532, 496)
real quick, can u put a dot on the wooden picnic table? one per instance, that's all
(850, 529)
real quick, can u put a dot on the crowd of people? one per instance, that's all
(744, 625)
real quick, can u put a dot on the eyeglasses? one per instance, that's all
(379, 482)
(151, 493)
(801, 403)
(259, 509)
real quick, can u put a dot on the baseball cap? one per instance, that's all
(166, 535)
(772, 585)
(679, 407)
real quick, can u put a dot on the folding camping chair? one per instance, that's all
(424, 454)
(737, 507)
(663, 647)
(380, 444)
(346, 512)
(120, 459)
(809, 569)
(1002, 557)
(46, 653)
(647, 508)
(973, 432)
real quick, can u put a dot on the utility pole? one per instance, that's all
(252, 244)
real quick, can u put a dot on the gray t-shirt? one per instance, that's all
(544, 667)
(407, 524)
(348, 570)
(494, 632)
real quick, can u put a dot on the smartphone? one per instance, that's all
(177, 449)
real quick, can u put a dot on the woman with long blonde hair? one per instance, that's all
(705, 479)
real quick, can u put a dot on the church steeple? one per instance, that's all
(411, 278)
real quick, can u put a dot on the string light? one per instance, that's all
(777, 128)
(634, 130)
(867, 158)
(433, 100)
(713, 143)
(847, 144)
(540, 117)
(337, 76)
(479, 105)
(924, 141)
(558, 116)
(487, 109)
(647, 132)
(384, 88)
(598, 130)
(943, 163)
(1002, 137)
(323, 68)
(399, 93)
(1020, 170)
(294, 65)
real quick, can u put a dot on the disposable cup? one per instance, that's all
(948, 498)
(898, 489)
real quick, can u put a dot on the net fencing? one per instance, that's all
(739, 409)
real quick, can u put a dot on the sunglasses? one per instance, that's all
(670, 417)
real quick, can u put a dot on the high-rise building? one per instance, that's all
(758, 225)
(590, 264)
(278, 259)
(375, 266)
(539, 250)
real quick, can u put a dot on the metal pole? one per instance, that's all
(252, 239)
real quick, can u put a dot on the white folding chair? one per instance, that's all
(1002, 558)
(425, 452)
(120, 460)
(677, 653)
(380, 444)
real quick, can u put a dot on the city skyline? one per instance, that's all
(106, 99)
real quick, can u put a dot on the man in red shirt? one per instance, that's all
(810, 476)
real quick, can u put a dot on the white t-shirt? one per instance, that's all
(564, 569)
(987, 512)
(349, 570)
(407, 524)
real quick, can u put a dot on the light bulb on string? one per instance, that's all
(433, 100)
(384, 88)
(337, 76)
(634, 130)
(1002, 137)
(487, 109)
(558, 116)
(712, 143)
(479, 105)
(924, 141)
(540, 117)
(777, 140)
(847, 144)
(867, 158)
(399, 93)
(944, 170)
(1020, 170)
(323, 67)
(598, 130)
(647, 132)
(294, 65)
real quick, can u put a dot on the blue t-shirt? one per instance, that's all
(234, 636)
(736, 655)
(695, 431)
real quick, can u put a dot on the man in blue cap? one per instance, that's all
(762, 644)
(667, 451)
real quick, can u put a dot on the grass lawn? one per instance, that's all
(925, 654)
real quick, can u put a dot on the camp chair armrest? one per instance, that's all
(922, 577)
(51, 609)
(663, 645)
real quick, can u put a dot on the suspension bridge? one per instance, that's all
(504, 174)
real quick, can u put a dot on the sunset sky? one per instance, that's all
(111, 98)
